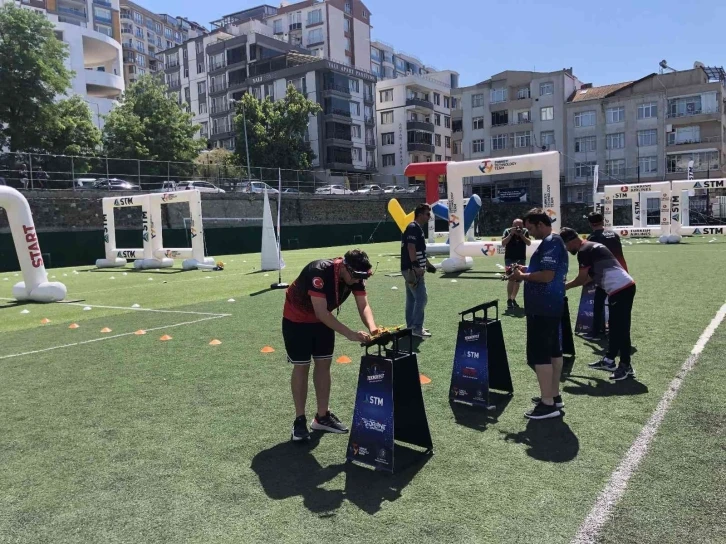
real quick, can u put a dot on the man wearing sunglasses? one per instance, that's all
(309, 327)
(414, 265)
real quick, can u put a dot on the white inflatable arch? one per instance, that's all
(35, 287)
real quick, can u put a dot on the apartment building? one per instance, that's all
(145, 34)
(646, 130)
(92, 32)
(388, 63)
(337, 30)
(414, 121)
(210, 72)
(512, 113)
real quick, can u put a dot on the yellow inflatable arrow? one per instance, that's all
(399, 216)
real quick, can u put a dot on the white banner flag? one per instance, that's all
(595, 183)
(690, 169)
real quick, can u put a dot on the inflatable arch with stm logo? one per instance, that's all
(461, 252)
(35, 286)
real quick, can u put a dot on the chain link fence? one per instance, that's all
(34, 171)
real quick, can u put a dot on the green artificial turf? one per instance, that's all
(130, 439)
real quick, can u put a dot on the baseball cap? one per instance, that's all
(568, 234)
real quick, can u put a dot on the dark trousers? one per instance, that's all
(598, 321)
(621, 307)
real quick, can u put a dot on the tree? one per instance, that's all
(70, 129)
(150, 125)
(276, 131)
(218, 164)
(32, 74)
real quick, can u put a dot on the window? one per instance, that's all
(437, 119)
(523, 116)
(202, 107)
(447, 142)
(547, 113)
(277, 26)
(386, 117)
(157, 27)
(388, 160)
(685, 135)
(523, 139)
(315, 36)
(202, 87)
(477, 123)
(139, 32)
(186, 73)
(546, 88)
(454, 103)
(447, 102)
(477, 100)
(187, 95)
(584, 169)
(648, 111)
(477, 146)
(138, 17)
(346, 25)
(270, 91)
(200, 67)
(615, 115)
(703, 161)
(348, 9)
(355, 131)
(347, 44)
(315, 16)
(522, 93)
(204, 131)
(615, 141)
(498, 95)
(447, 121)
(499, 142)
(354, 85)
(357, 154)
(585, 145)
(547, 137)
(647, 137)
(355, 108)
(585, 118)
(388, 138)
(103, 29)
(692, 105)
(457, 148)
(648, 165)
(437, 99)
(437, 158)
(386, 96)
(500, 118)
(615, 167)
(298, 83)
(437, 140)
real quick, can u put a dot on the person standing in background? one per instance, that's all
(515, 241)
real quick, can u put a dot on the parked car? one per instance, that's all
(256, 187)
(291, 191)
(414, 189)
(201, 186)
(114, 184)
(370, 190)
(84, 183)
(167, 187)
(394, 189)
(333, 190)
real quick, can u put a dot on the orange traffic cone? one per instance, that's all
(215, 343)
(267, 349)
(44, 321)
(343, 360)
(424, 379)
(74, 326)
(105, 330)
(165, 338)
(140, 332)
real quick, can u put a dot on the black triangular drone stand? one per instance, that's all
(389, 405)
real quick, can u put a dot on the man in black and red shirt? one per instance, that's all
(309, 327)
(610, 240)
(599, 265)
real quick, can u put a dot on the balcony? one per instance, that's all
(370, 120)
(421, 148)
(104, 3)
(218, 88)
(368, 97)
(176, 84)
(339, 139)
(694, 115)
(105, 20)
(73, 22)
(215, 66)
(420, 103)
(337, 114)
(695, 143)
(72, 11)
(370, 142)
(295, 26)
(172, 63)
(224, 108)
(420, 125)
(341, 90)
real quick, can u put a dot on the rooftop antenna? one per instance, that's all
(664, 66)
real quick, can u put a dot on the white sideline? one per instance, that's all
(129, 308)
(601, 512)
(164, 327)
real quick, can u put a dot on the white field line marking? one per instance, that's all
(135, 309)
(109, 337)
(615, 489)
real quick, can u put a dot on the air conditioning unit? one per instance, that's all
(669, 128)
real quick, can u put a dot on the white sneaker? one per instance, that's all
(422, 333)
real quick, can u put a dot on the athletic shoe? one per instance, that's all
(300, 429)
(328, 423)
(604, 364)
(515, 304)
(622, 373)
(510, 304)
(558, 401)
(542, 411)
(423, 333)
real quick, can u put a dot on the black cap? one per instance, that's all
(568, 234)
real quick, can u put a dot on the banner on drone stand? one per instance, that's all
(371, 439)
(470, 378)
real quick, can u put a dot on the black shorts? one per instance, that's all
(543, 339)
(306, 340)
